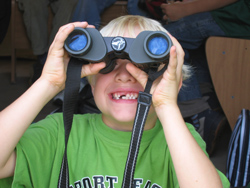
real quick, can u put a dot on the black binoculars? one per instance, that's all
(148, 49)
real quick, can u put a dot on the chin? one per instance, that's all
(119, 121)
(124, 118)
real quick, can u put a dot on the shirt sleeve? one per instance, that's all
(36, 153)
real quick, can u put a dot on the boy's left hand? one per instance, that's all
(165, 89)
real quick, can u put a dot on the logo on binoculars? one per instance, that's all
(118, 43)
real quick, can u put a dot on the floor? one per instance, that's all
(9, 92)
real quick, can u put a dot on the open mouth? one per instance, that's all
(124, 96)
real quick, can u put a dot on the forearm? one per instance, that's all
(192, 166)
(197, 6)
(16, 118)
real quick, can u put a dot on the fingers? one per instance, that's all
(174, 70)
(138, 74)
(90, 26)
(61, 36)
(173, 74)
(167, 88)
(57, 61)
(173, 62)
(91, 69)
(63, 33)
(180, 54)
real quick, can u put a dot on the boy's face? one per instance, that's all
(116, 95)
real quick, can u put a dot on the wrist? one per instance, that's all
(169, 114)
(46, 89)
(166, 109)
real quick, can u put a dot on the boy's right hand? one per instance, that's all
(57, 61)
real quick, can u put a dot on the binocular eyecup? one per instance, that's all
(147, 49)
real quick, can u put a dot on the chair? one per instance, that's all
(229, 65)
(19, 39)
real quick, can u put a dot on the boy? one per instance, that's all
(98, 143)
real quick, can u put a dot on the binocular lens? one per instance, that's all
(157, 45)
(77, 41)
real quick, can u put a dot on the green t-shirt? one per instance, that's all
(96, 155)
(234, 19)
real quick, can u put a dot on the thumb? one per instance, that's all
(91, 69)
(138, 74)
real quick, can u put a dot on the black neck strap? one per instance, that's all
(71, 92)
(70, 98)
(143, 106)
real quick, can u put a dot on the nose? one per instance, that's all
(122, 75)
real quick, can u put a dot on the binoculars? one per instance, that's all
(148, 49)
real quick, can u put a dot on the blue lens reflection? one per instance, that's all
(158, 45)
(78, 42)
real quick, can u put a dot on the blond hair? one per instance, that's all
(128, 23)
(118, 26)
